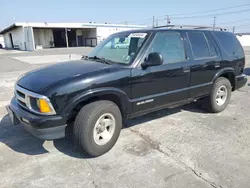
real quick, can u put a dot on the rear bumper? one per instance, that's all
(42, 127)
(240, 81)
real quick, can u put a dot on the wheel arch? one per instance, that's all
(228, 73)
(112, 94)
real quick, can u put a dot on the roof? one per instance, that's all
(172, 29)
(180, 28)
(66, 25)
(191, 27)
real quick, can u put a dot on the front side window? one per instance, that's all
(169, 45)
(199, 45)
(120, 48)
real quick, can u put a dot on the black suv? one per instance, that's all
(160, 68)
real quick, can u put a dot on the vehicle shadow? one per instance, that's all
(17, 139)
(192, 107)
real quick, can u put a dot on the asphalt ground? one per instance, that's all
(181, 147)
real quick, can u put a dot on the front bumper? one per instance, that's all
(240, 81)
(42, 127)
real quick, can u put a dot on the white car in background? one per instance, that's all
(122, 45)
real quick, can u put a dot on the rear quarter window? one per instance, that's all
(230, 43)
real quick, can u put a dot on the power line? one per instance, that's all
(210, 15)
(235, 21)
(214, 10)
(196, 16)
(240, 29)
(201, 12)
(242, 26)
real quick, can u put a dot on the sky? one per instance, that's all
(129, 11)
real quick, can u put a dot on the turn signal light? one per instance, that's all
(44, 106)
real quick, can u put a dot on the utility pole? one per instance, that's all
(233, 29)
(153, 22)
(214, 23)
(156, 22)
(168, 20)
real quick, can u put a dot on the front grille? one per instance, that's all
(21, 97)
(22, 103)
(20, 94)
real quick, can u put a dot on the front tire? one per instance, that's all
(220, 95)
(97, 127)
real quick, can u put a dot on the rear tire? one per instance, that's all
(220, 95)
(97, 127)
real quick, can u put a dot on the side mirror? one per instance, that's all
(153, 59)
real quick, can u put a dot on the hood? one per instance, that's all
(39, 80)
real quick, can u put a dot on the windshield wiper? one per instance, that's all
(101, 59)
(84, 57)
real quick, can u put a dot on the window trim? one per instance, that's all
(209, 38)
(151, 41)
(200, 58)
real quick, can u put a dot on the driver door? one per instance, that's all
(162, 85)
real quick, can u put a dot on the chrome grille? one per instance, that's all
(21, 97)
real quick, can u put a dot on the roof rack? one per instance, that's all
(190, 27)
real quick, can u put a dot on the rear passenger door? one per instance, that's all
(204, 62)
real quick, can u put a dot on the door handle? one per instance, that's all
(186, 69)
(217, 65)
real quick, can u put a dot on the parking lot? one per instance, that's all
(180, 147)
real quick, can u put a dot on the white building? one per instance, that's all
(1, 41)
(244, 38)
(31, 36)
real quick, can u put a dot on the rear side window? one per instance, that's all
(230, 43)
(199, 45)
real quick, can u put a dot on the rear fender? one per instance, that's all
(223, 71)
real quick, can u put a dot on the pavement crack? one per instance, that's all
(156, 145)
(201, 177)
(90, 166)
(172, 175)
(93, 181)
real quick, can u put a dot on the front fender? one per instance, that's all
(92, 93)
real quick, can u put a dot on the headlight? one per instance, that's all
(34, 102)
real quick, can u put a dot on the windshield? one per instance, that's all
(120, 47)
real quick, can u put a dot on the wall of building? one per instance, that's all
(244, 40)
(17, 36)
(29, 38)
(104, 32)
(91, 38)
(43, 38)
(2, 41)
(88, 36)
